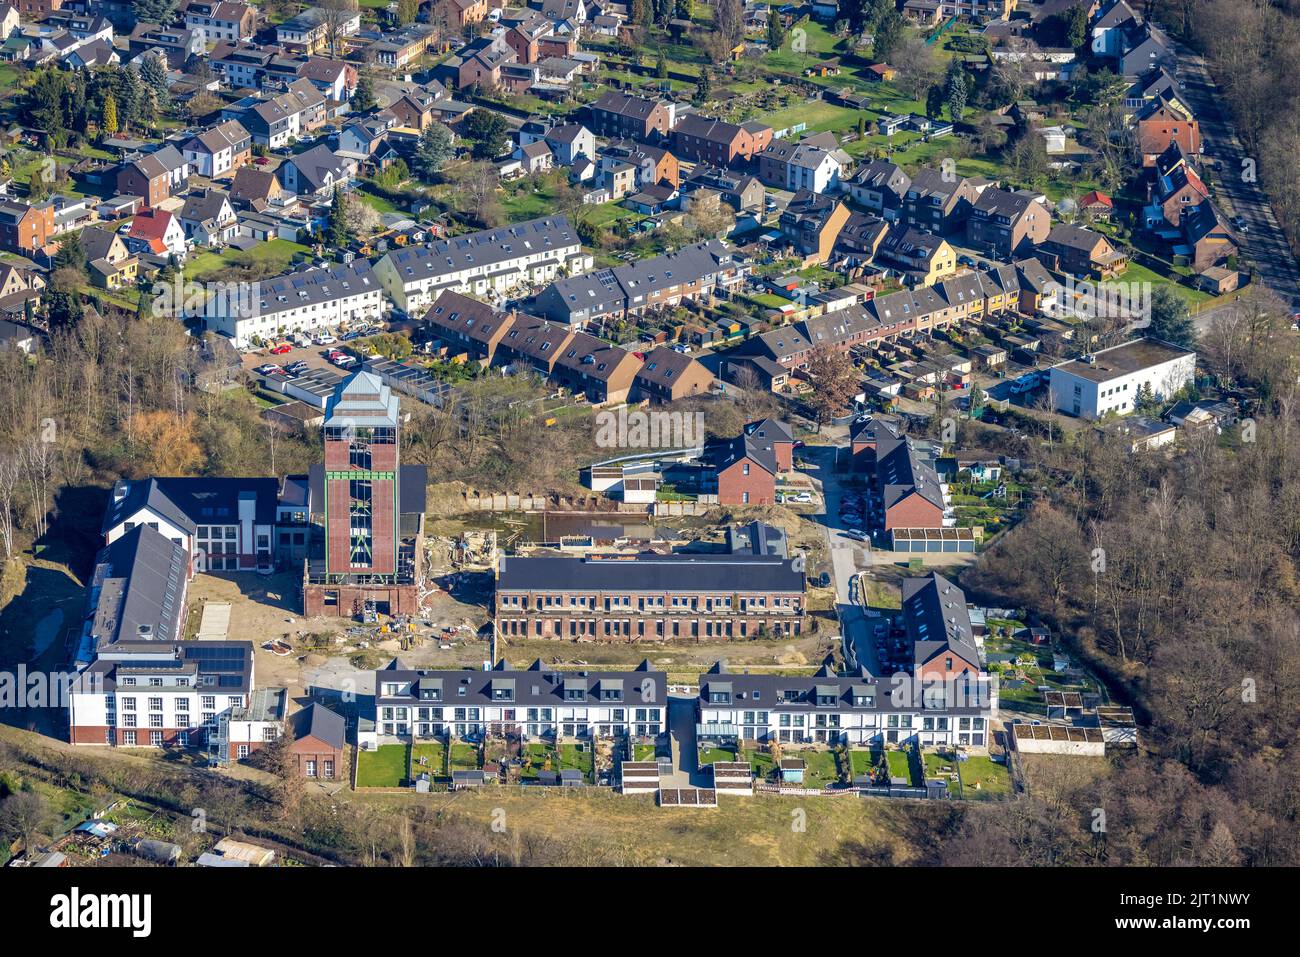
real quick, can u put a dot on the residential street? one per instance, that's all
(847, 556)
(1263, 245)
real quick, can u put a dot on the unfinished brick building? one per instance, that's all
(366, 541)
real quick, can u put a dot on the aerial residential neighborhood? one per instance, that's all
(669, 433)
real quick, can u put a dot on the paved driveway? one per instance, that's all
(848, 555)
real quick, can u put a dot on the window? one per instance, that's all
(311, 769)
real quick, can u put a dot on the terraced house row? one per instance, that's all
(1016, 287)
(692, 272)
(532, 703)
(603, 373)
(649, 597)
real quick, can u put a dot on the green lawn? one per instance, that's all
(435, 756)
(1139, 273)
(821, 769)
(935, 762)
(862, 762)
(761, 763)
(819, 115)
(536, 757)
(984, 780)
(464, 757)
(271, 258)
(605, 215)
(900, 766)
(710, 755)
(579, 757)
(376, 202)
(384, 767)
(643, 752)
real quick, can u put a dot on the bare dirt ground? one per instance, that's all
(334, 655)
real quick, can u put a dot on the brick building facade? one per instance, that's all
(648, 597)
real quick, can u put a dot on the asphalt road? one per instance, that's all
(1263, 244)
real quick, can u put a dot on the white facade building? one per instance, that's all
(497, 261)
(297, 302)
(1113, 380)
(535, 703)
(831, 709)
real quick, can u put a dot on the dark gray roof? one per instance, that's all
(937, 619)
(900, 471)
(318, 166)
(138, 589)
(188, 502)
(309, 287)
(683, 573)
(318, 721)
(536, 686)
(611, 290)
(860, 692)
(488, 247)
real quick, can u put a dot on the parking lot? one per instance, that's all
(312, 356)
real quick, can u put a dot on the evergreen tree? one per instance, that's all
(363, 99)
(71, 254)
(109, 121)
(336, 230)
(934, 102)
(661, 66)
(432, 151)
(154, 77)
(775, 31)
(955, 90)
(1170, 319)
(703, 87)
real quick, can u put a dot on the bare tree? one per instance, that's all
(335, 15)
(10, 478)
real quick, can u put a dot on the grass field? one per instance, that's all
(272, 257)
(820, 770)
(984, 780)
(600, 828)
(861, 762)
(900, 766)
(385, 767)
(464, 757)
(434, 755)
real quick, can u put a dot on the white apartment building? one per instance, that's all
(311, 299)
(491, 261)
(214, 152)
(829, 709)
(1112, 380)
(534, 703)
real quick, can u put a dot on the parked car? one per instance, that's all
(1026, 383)
(324, 339)
(281, 349)
(269, 368)
(1240, 224)
(342, 359)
